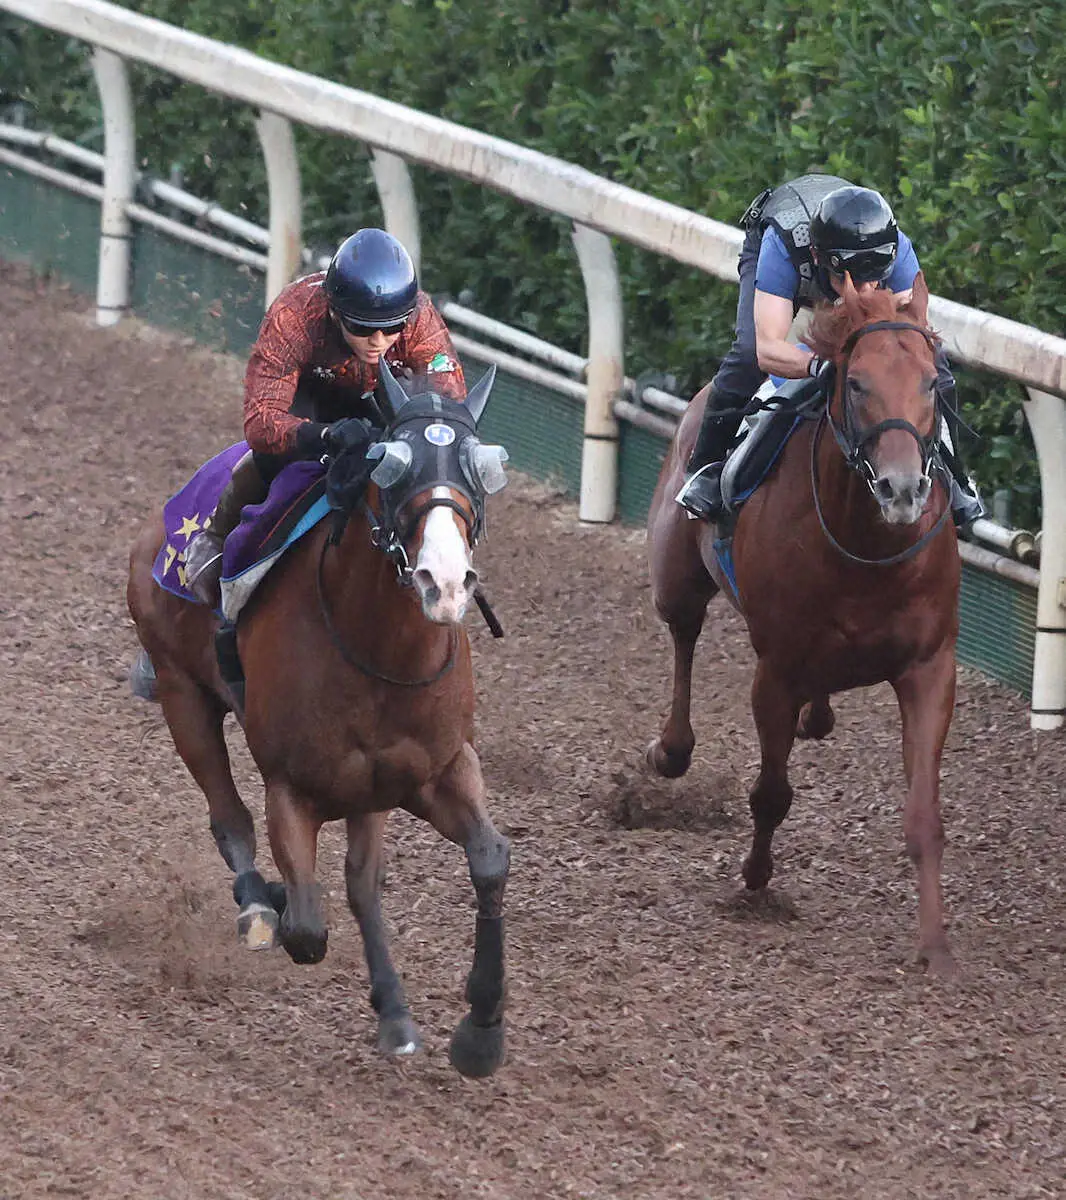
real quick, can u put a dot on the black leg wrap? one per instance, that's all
(484, 986)
(251, 888)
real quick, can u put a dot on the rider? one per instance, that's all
(800, 239)
(315, 363)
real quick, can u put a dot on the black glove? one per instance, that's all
(315, 440)
(351, 434)
(821, 369)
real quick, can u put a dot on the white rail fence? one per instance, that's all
(599, 209)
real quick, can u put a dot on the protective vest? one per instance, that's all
(789, 209)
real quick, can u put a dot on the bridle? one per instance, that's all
(853, 442)
(392, 527)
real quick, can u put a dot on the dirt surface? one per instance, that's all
(669, 1037)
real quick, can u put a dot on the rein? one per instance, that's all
(350, 658)
(852, 447)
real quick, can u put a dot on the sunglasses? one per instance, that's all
(365, 331)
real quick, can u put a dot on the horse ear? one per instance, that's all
(918, 304)
(395, 396)
(852, 302)
(479, 396)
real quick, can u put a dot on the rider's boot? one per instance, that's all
(966, 503)
(701, 493)
(203, 557)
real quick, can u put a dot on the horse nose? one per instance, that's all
(902, 496)
(444, 600)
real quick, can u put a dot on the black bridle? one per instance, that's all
(853, 442)
(392, 528)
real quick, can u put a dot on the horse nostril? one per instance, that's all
(883, 489)
(925, 485)
(423, 580)
(470, 581)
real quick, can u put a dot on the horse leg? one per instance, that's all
(456, 809)
(775, 710)
(926, 695)
(670, 755)
(363, 871)
(293, 829)
(195, 718)
(816, 719)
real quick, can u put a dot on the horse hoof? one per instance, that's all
(257, 927)
(757, 873)
(398, 1037)
(476, 1050)
(939, 962)
(304, 946)
(815, 724)
(662, 762)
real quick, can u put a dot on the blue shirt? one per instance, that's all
(776, 274)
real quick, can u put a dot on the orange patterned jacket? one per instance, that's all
(300, 347)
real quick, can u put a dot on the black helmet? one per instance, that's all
(853, 230)
(371, 280)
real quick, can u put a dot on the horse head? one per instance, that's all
(430, 480)
(884, 407)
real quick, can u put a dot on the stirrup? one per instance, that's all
(203, 568)
(701, 493)
(966, 503)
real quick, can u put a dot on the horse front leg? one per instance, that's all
(195, 716)
(456, 808)
(682, 604)
(363, 873)
(293, 826)
(926, 694)
(775, 709)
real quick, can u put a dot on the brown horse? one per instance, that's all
(847, 573)
(359, 699)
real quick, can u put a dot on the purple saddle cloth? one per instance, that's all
(295, 503)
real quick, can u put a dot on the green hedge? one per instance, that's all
(954, 111)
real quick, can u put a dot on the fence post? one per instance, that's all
(398, 203)
(283, 183)
(1047, 421)
(605, 374)
(120, 174)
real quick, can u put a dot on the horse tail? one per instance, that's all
(142, 677)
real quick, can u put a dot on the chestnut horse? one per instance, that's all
(847, 574)
(359, 699)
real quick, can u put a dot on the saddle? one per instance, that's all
(758, 445)
(764, 434)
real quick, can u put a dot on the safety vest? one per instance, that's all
(789, 209)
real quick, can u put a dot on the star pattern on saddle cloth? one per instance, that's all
(189, 526)
(170, 554)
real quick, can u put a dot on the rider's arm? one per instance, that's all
(278, 357)
(777, 283)
(776, 355)
(904, 272)
(427, 349)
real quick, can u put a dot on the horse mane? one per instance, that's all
(833, 325)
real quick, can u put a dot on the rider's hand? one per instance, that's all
(352, 433)
(821, 369)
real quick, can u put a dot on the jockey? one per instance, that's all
(800, 239)
(315, 363)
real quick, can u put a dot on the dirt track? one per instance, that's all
(668, 1037)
